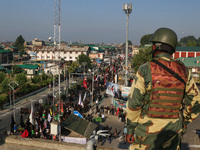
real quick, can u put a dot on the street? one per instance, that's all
(190, 140)
(5, 115)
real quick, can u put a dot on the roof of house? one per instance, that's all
(96, 48)
(188, 49)
(79, 125)
(2, 68)
(5, 51)
(191, 61)
(8, 71)
(28, 66)
(108, 47)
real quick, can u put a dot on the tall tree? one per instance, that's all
(187, 38)
(142, 57)
(3, 99)
(21, 78)
(191, 43)
(4, 85)
(72, 66)
(17, 69)
(19, 43)
(129, 43)
(84, 58)
(145, 39)
(2, 76)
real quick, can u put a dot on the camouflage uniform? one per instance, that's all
(158, 133)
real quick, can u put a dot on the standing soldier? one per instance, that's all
(164, 98)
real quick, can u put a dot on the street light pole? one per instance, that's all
(13, 88)
(92, 87)
(84, 64)
(127, 8)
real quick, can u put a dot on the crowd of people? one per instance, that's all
(37, 123)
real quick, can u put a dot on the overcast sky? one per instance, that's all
(96, 21)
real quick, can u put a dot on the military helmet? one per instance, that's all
(166, 36)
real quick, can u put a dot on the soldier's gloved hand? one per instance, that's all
(130, 138)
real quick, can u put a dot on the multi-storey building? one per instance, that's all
(6, 56)
(186, 52)
(53, 53)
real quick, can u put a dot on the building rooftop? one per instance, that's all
(5, 51)
(188, 49)
(28, 66)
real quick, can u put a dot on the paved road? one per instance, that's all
(5, 115)
(190, 140)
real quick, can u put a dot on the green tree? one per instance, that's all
(145, 39)
(84, 58)
(36, 79)
(3, 99)
(71, 66)
(191, 43)
(17, 69)
(188, 38)
(21, 79)
(19, 43)
(4, 85)
(2, 76)
(142, 57)
(44, 76)
(129, 43)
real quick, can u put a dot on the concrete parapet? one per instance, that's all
(42, 143)
(48, 144)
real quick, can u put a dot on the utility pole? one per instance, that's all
(12, 86)
(84, 64)
(127, 8)
(92, 87)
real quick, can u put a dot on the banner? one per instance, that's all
(118, 103)
(84, 97)
(112, 89)
(31, 114)
(74, 140)
(84, 83)
(125, 91)
(117, 91)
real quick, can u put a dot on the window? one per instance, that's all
(70, 52)
(70, 57)
(76, 52)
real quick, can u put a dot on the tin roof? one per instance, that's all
(28, 66)
(5, 51)
(188, 49)
(79, 125)
(2, 68)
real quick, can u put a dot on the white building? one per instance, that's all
(52, 52)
